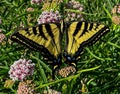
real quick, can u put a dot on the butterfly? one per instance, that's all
(56, 41)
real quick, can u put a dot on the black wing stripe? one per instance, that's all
(41, 33)
(85, 29)
(49, 31)
(79, 24)
(34, 30)
(91, 26)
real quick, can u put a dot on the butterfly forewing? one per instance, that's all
(44, 38)
(81, 34)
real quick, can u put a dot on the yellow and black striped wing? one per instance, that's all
(44, 38)
(80, 34)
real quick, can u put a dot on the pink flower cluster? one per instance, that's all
(74, 5)
(26, 87)
(115, 14)
(66, 71)
(36, 2)
(21, 69)
(47, 17)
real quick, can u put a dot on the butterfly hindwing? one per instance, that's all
(44, 38)
(79, 35)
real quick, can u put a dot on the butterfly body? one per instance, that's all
(48, 39)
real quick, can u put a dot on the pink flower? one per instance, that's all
(74, 5)
(116, 9)
(47, 17)
(21, 69)
(115, 14)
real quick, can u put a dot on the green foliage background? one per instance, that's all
(98, 68)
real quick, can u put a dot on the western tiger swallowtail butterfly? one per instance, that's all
(48, 39)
